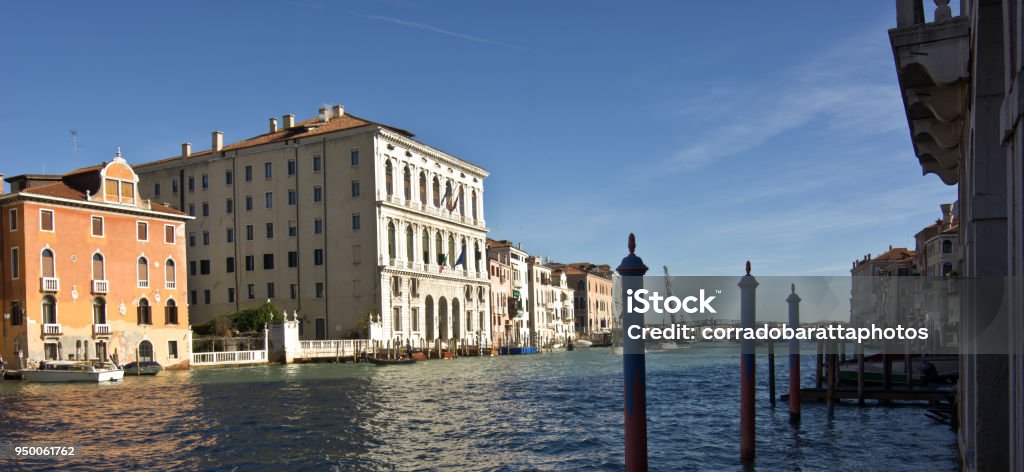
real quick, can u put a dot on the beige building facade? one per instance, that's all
(354, 224)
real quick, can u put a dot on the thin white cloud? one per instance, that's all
(434, 29)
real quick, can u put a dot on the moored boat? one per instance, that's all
(582, 343)
(924, 368)
(382, 362)
(74, 371)
(142, 368)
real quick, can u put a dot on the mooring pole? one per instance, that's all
(748, 294)
(794, 356)
(634, 369)
(860, 374)
(771, 372)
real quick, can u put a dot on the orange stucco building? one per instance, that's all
(91, 270)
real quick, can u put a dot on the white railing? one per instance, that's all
(101, 329)
(49, 284)
(143, 284)
(51, 329)
(170, 285)
(328, 348)
(100, 286)
(229, 357)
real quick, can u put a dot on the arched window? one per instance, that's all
(439, 249)
(46, 259)
(98, 270)
(170, 276)
(143, 272)
(391, 240)
(426, 247)
(437, 192)
(409, 250)
(472, 203)
(947, 247)
(448, 195)
(144, 313)
(407, 182)
(145, 351)
(476, 257)
(171, 312)
(423, 188)
(389, 184)
(99, 311)
(462, 201)
(947, 267)
(49, 307)
(451, 251)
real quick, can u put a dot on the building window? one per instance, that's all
(172, 348)
(48, 263)
(143, 272)
(230, 236)
(46, 220)
(407, 183)
(230, 264)
(171, 313)
(204, 267)
(206, 297)
(397, 318)
(319, 290)
(231, 294)
(204, 181)
(229, 206)
(13, 219)
(293, 197)
(192, 298)
(50, 351)
(318, 194)
(156, 189)
(191, 209)
(15, 263)
(318, 257)
(143, 310)
(97, 226)
(423, 187)
(268, 261)
(268, 170)
(174, 185)
(317, 163)
(389, 178)
(170, 274)
(291, 166)
(17, 314)
(248, 173)
(354, 157)
(947, 247)
(293, 229)
(251, 291)
(49, 309)
(437, 192)
(248, 203)
(191, 239)
(142, 231)
(98, 267)
(250, 263)
(293, 291)
(206, 238)
(357, 254)
(415, 315)
(169, 234)
(355, 189)
(206, 209)
(318, 225)
(270, 230)
(270, 290)
(293, 258)
(229, 177)
(191, 184)
(249, 232)
(356, 224)
(192, 268)
(268, 200)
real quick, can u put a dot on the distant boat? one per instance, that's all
(583, 343)
(143, 368)
(74, 371)
(382, 362)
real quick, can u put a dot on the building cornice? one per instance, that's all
(21, 196)
(441, 156)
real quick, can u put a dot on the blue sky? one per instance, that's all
(717, 132)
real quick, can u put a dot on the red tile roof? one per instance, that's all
(62, 190)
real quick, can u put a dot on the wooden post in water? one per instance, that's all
(634, 368)
(819, 360)
(831, 378)
(748, 315)
(860, 373)
(771, 371)
(794, 356)
(907, 365)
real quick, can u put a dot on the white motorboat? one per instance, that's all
(582, 343)
(74, 371)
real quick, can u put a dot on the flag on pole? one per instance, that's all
(442, 259)
(461, 259)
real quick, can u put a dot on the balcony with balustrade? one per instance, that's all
(100, 287)
(49, 284)
(101, 330)
(52, 330)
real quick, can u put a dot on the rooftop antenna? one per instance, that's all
(74, 144)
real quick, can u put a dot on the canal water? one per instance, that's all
(556, 411)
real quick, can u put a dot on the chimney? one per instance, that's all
(273, 125)
(186, 150)
(218, 141)
(947, 215)
(339, 111)
(323, 115)
(288, 121)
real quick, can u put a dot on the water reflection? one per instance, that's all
(554, 411)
